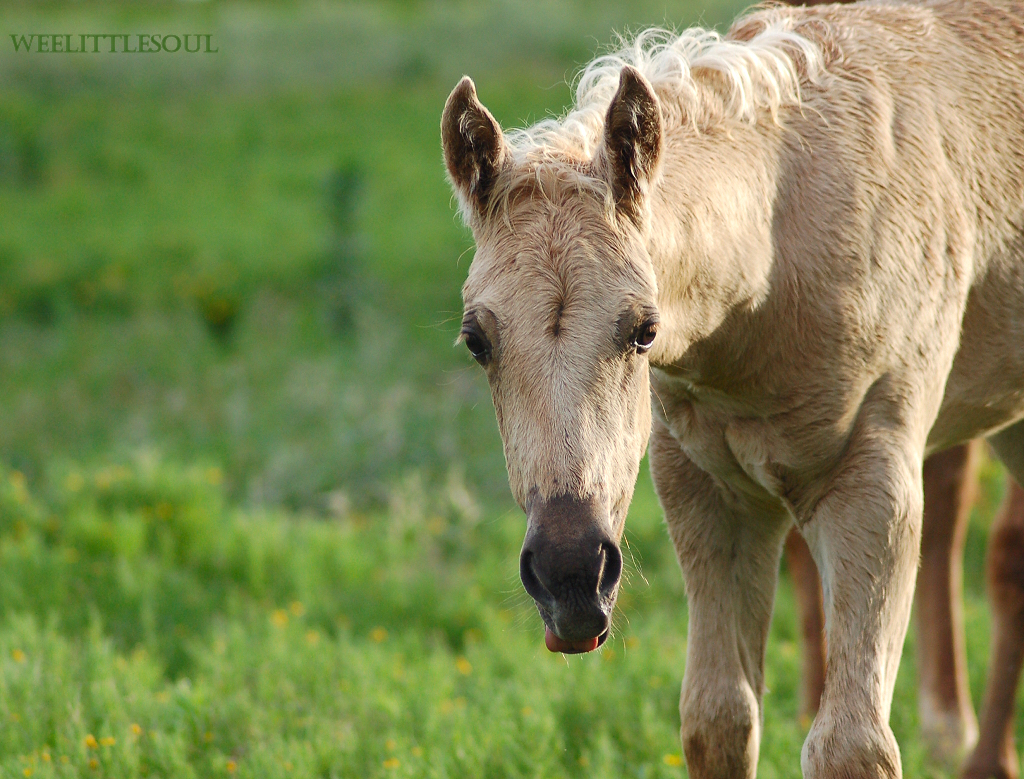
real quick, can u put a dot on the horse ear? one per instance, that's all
(632, 141)
(474, 148)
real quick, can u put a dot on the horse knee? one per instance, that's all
(843, 749)
(720, 732)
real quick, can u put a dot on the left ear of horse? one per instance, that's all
(632, 141)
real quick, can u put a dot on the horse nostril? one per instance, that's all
(611, 570)
(534, 587)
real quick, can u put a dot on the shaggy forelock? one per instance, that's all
(552, 180)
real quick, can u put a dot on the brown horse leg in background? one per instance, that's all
(947, 716)
(996, 755)
(807, 586)
(948, 724)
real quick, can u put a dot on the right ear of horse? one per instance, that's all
(632, 142)
(474, 148)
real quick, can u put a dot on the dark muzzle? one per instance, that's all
(571, 567)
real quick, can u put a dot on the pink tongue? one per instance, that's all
(555, 644)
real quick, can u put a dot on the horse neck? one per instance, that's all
(710, 230)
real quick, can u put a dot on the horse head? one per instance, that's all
(560, 312)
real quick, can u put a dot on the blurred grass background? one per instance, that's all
(252, 255)
(253, 510)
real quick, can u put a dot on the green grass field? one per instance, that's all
(150, 628)
(253, 511)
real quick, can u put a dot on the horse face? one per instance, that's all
(560, 312)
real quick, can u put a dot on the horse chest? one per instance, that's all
(750, 457)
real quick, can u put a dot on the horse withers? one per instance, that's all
(800, 246)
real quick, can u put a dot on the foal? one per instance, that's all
(806, 242)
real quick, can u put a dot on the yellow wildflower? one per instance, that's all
(379, 635)
(673, 760)
(18, 656)
(464, 666)
(18, 483)
(90, 742)
(231, 766)
(135, 728)
(279, 618)
(296, 608)
(94, 763)
(391, 762)
(108, 741)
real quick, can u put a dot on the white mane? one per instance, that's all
(761, 73)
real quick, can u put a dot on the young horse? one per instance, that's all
(807, 242)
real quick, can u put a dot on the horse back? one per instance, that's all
(985, 387)
(911, 150)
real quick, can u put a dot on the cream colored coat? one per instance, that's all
(823, 217)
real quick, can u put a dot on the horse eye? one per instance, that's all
(644, 337)
(478, 347)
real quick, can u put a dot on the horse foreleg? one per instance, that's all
(807, 585)
(995, 755)
(864, 534)
(730, 565)
(948, 724)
